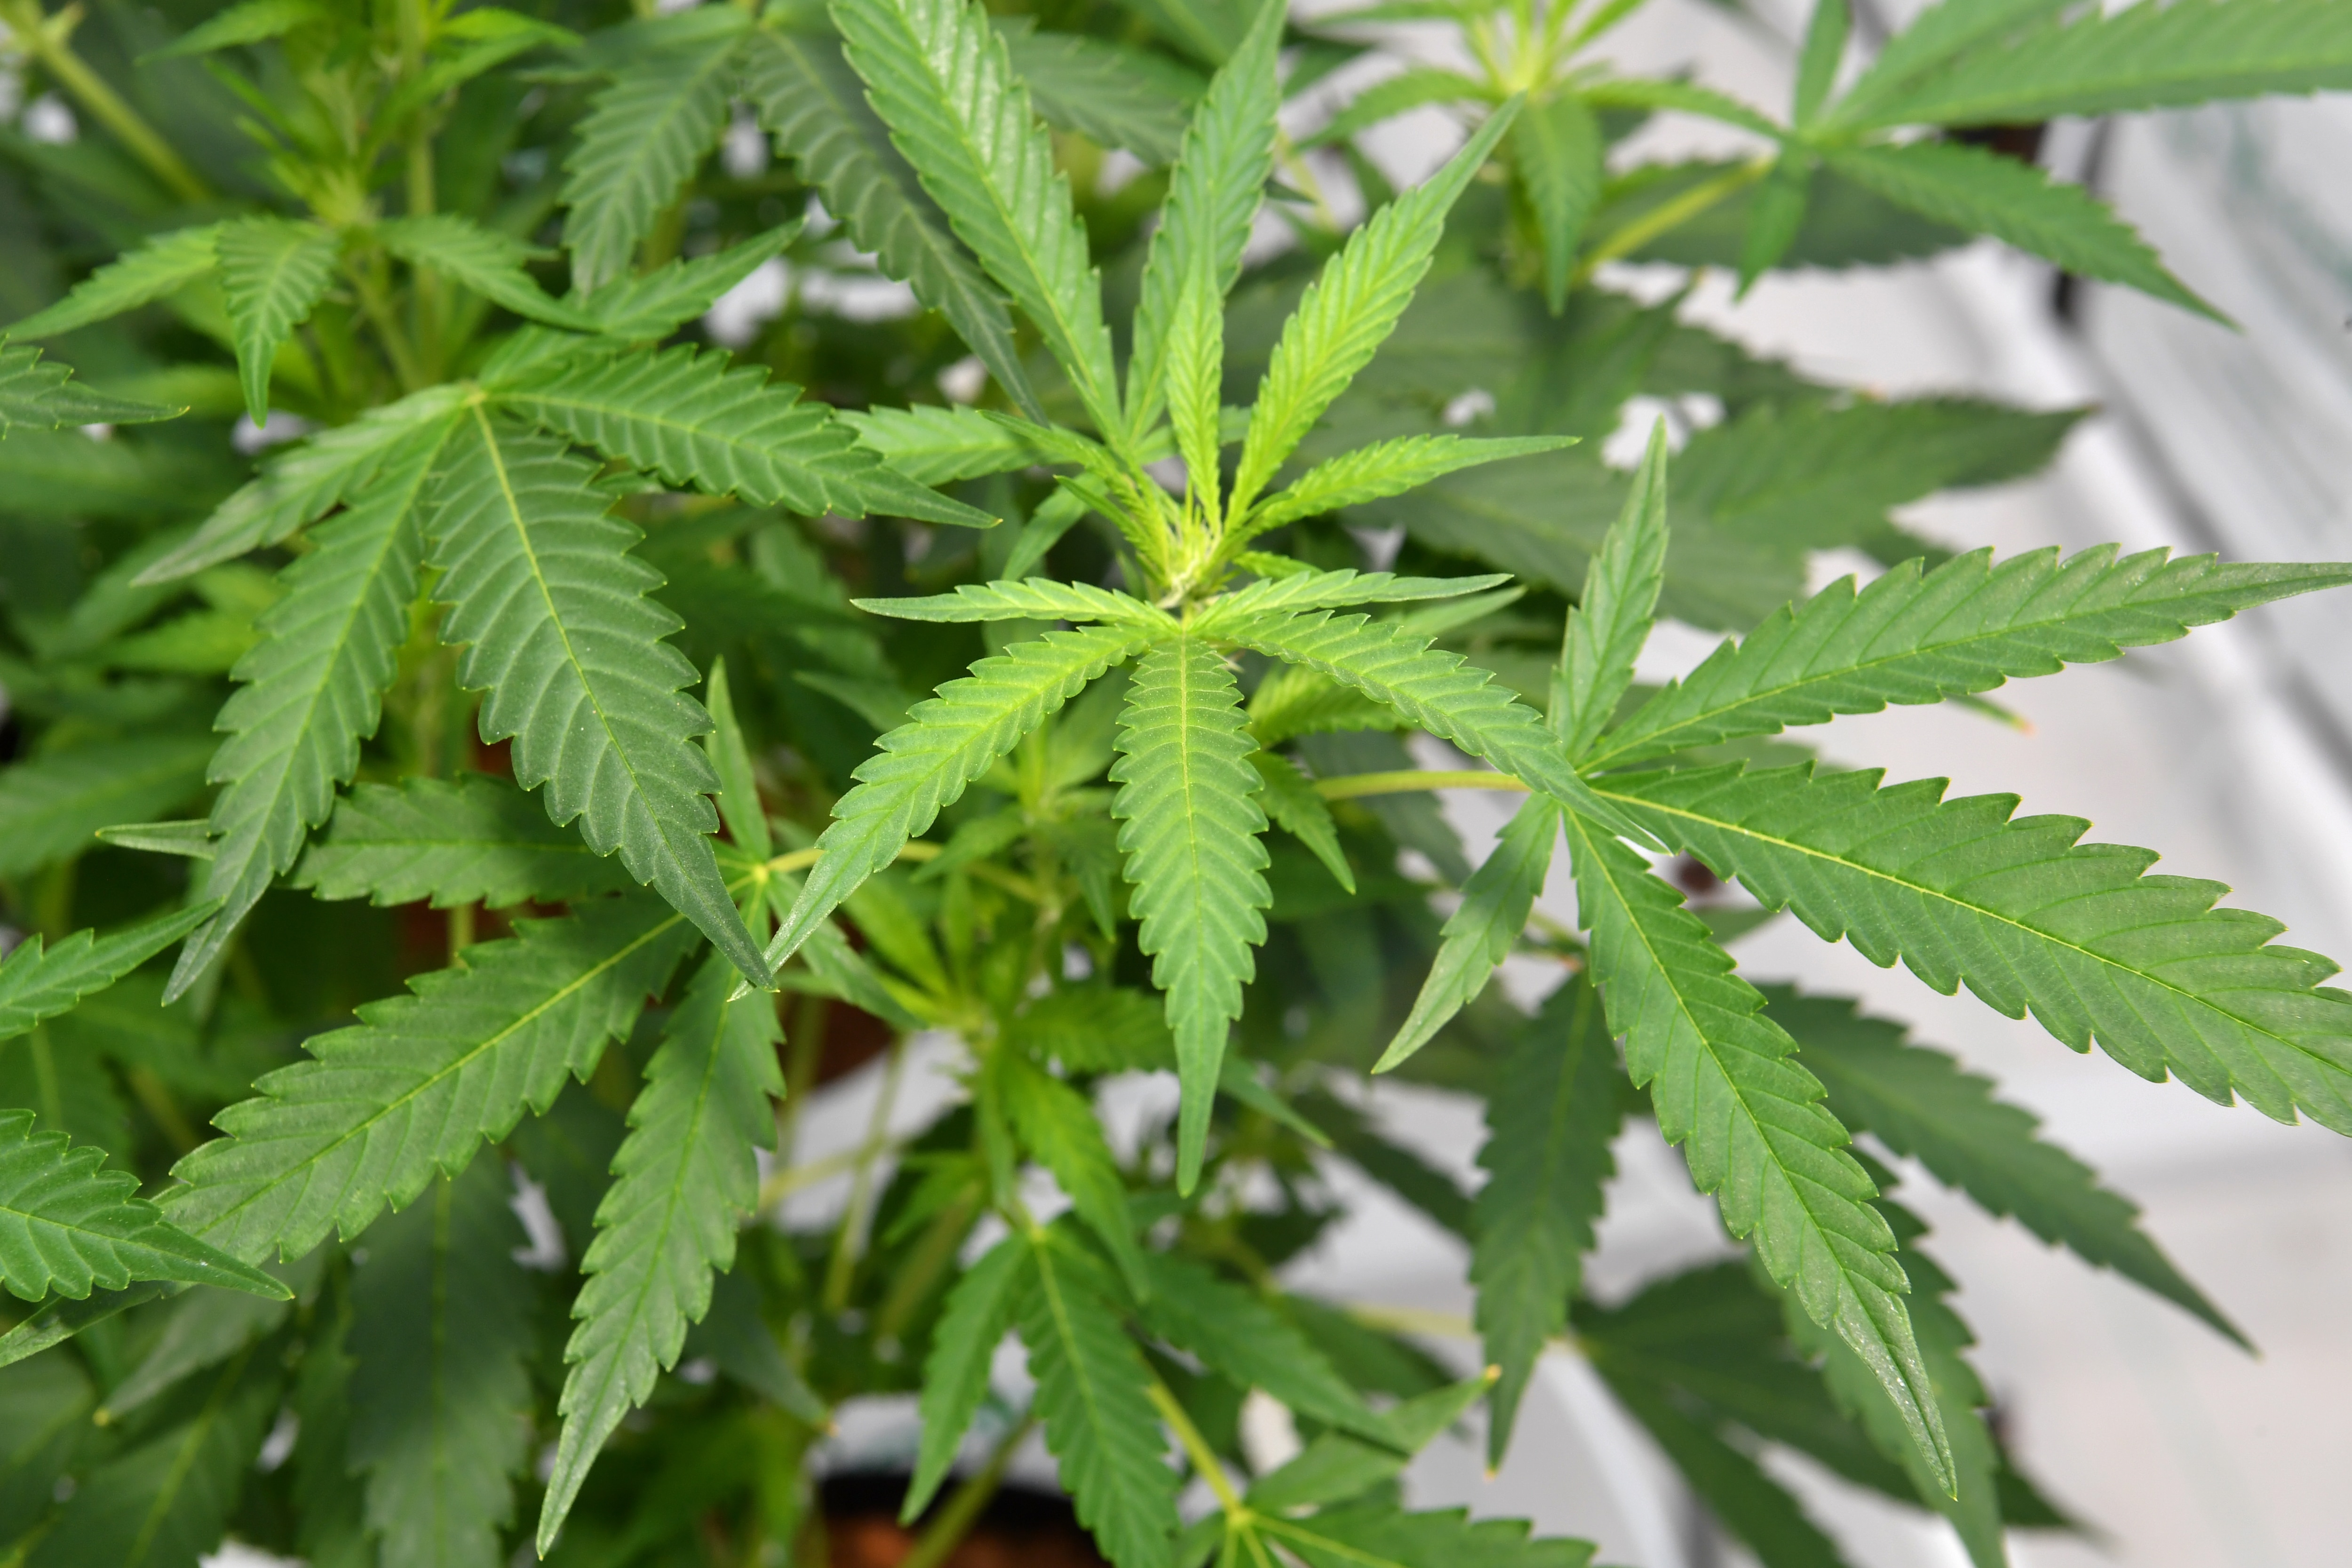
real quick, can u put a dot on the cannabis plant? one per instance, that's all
(420, 477)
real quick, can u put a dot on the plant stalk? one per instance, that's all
(44, 39)
(1669, 215)
(1353, 786)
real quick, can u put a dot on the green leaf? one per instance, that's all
(635, 309)
(1436, 690)
(551, 609)
(1968, 626)
(947, 740)
(202, 1329)
(1099, 1422)
(474, 840)
(1037, 598)
(1922, 1105)
(248, 21)
(52, 804)
(1410, 89)
(165, 264)
(730, 759)
(1195, 352)
(1331, 590)
(685, 1178)
(440, 1400)
(938, 73)
(1775, 217)
(1484, 929)
(1756, 1134)
(2156, 57)
(1387, 469)
(1236, 1334)
(1113, 95)
(933, 445)
(1555, 148)
(1610, 620)
(37, 396)
(643, 134)
(686, 416)
(979, 1313)
(1378, 1536)
(36, 985)
(191, 839)
(482, 259)
(1818, 59)
(69, 1225)
(1978, 190)
(1094, 1028)
(1548, 1127)
(310, 690)
(272, 272)
(1749, 1502)
(1057, 1125)
(308, 481)
(164, 1502)
(1291, 801)
(1214, 194)
(2031, 920)
(422, 1080)
(1348, 312)
(1293, 701)
(1933, 37)
(1194, 857)
(815, 105)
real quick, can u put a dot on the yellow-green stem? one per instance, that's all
(954, 1521)
(1669, 215)
(1353, 786)
(1196, 1448)
(33, 34)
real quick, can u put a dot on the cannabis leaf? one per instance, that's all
(488, 262)
(164, 265)
(1484, 930)
(37, 396)
(1387, 469)
(1374, 1536)
(1557, 147)
(635, 307)
(474, 841)
(978, 1315)
(1057, 1125)
(1035, 598)
(1611, 621)
(272, 272)
(38, 983)
(51, 805)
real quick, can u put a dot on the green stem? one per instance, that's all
(1352, 787)
(848, 1245)
(397, 346)
(46, 42)
(1196, 1448)
(923, 1269)
(1669, 215)
(964, 1505)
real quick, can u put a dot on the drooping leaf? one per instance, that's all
(1548, 1127)
(947, 740)
(1291, 802)
(419, 1083)
(1413, 88)
(488, 262)
(1611, 622)
(634, 309)
(474, 840)
(1057, 1125)
(1750, 1504)
(164, 265)
(979, 1313)
(311, 690)
(1484, 930)
(1776, 215)
(644, 134)
(1388, 468)
(1556, 148)
(808, 96)
(1976, 189)
(36, 983)
(551, 609)
(442, 1331)
(69, 1224)
(1109, 93)
(1348, 312)
(684, 1180)
(1194, 857)
(1037, 598)
(938, 73)
(1968, 626)
(53, 804)
(1750, 1120)
(272, 272)
(1254, 1346)
(685, 416)
(2032, 921)
(37, 396)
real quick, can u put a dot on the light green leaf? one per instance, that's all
(1818, 57)
(1348, 312)
(52, 804)
(979, 1313)
(815, 105)
(1237, 1333)
(306, 482)
(69, 1225)
(2031, 920)
(1113, 95)
(947, 740)
(272, 272)
(248, 21)
(190, 839)
(1214, 194)
(37, 396)
(1413, 88)
(1095, 1029)
(1390, 467)
(938, 73)
(1549, 1122)
(1725, 1084)
(1057, 1125)
(1209, 30)
(1293, 700)
(165, 264)
(474, 840)
(440, 1400)
(1775, 216)
(38, 983)
(1968, 626)
(934, 446)
(1933, 37)
(1037, 598)
(2139, 57)
(311, 690)
(1194, 857)
(419, 1083)
(1195, 352)
(1314, 590)
(1483, 932)
(635, 309)
(1291, 801)
(1678, 97)
(685, 1178)
(1556, 149)
(1977, 189)
(488, 262)
(552, 610)
(1379, 1536)
(684, 415)
(1099, 1423)
(643, 136)
(1611, 621)
(731, 758)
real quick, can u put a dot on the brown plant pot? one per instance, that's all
(1019, 1529)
